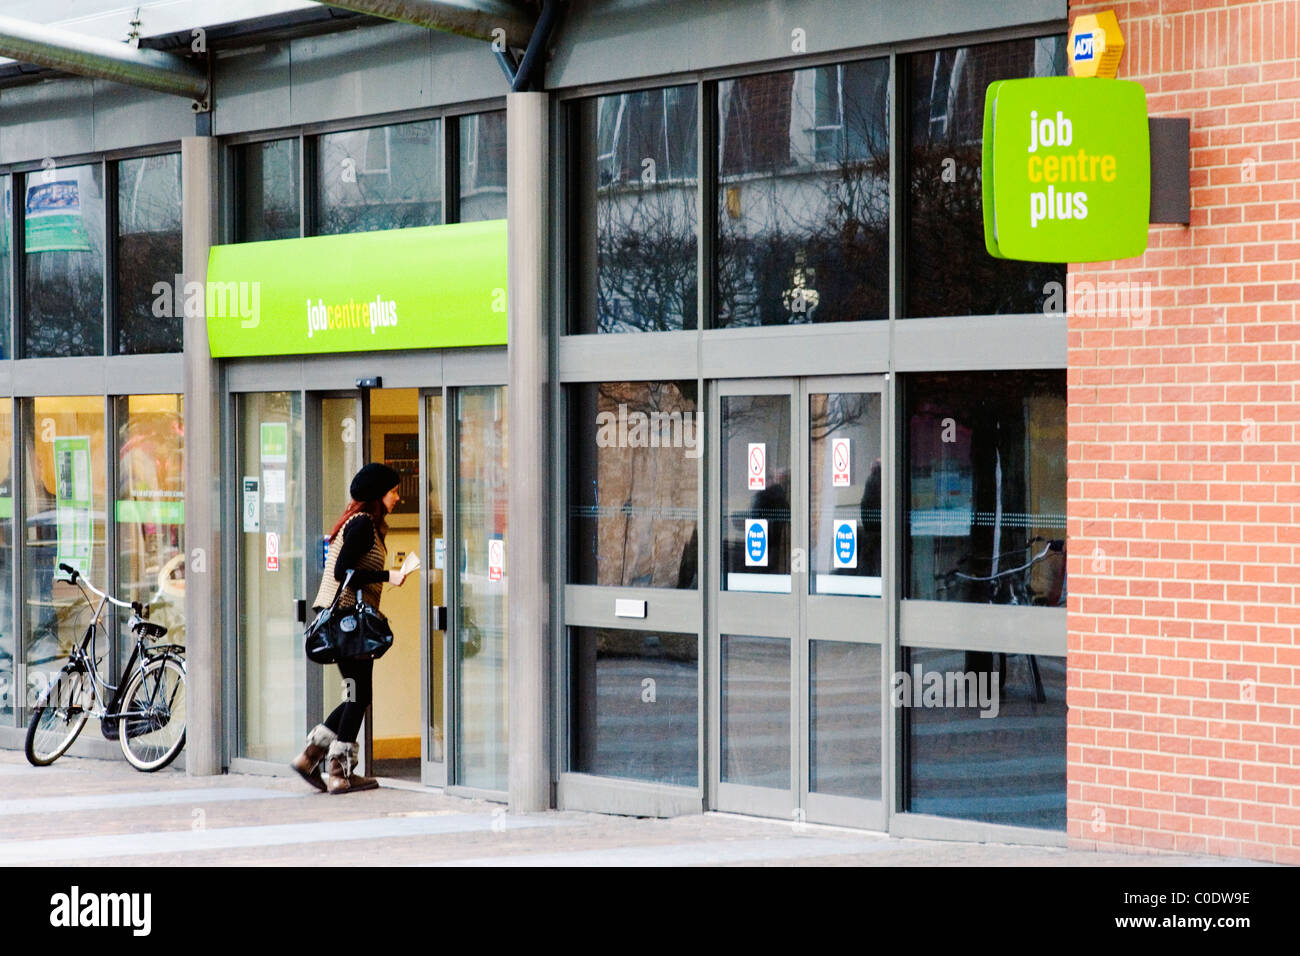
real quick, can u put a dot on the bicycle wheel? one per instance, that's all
(58, 717)
(156, 695)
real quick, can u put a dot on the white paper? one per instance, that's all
(439, 554)
(412, 563)
(252, 506)
(273, 486)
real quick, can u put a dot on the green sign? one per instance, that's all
(73, 518)
(1066, 169)
(53, 218)
(143, 511)
(428, 287)
(275, 442)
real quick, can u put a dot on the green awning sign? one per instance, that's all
(1066, 169)
(427, 287)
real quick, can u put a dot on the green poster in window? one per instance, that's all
(53, 218)
(73, 501)
(275, 443)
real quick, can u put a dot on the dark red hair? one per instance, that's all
(376, 510)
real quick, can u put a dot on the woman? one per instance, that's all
(357, 545)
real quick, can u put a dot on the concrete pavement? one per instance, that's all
(83, 811)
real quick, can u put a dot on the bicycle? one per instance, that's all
(146, 713)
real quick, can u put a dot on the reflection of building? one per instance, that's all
(785, 246)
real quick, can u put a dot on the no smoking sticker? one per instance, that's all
(757, 466)
(840, 460)
(496, 559)
(272, 551)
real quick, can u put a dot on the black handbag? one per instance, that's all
(353, 634)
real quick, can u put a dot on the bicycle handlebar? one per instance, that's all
(76, 577)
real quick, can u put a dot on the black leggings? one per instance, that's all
(345, 720)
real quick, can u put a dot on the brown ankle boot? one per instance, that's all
(342, 758)
(307, 763)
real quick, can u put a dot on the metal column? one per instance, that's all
(528, 567)
(203, 620)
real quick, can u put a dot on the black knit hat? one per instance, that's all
(374, 481)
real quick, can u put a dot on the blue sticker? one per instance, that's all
(756, 542)
(846, 544)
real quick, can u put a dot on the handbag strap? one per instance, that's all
(338, 593)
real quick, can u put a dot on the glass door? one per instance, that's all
(271, 668)
(433, 571)
(797, 619)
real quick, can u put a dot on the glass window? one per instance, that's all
(633, 483)
(482, 167)
(272, 670)
(8, 642)
(148, 252)
(755, 472)
(267, 186)
(384, 177)
(63, 452)
(985, 736)
(948, 270)
(844, 489)
(803, 196)
(483, 710)
(986, 487)
(636, 705)
(64, 263)
(636, 235)
(844, 719)
(6, 263)
(150, 510)
(755, 711)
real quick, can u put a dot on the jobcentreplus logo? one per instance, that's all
(378, 314)
(77, 909)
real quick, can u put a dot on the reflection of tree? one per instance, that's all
(803, 221)
(148, 251)
(405, 192)
(646, 256)
(949, 270)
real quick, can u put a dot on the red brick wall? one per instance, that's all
(1184, 465)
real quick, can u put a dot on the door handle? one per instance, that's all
(438, 618)
(301, 610)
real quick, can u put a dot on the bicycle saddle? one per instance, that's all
(150, 629)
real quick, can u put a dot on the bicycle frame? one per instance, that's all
(83, 657)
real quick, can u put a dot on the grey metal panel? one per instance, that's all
(127, 117)
(979, 342)
(668, 610)
(99, 375)
(756, 614)
(580, 791)
(845, 811)
(860, 620)
(361, 72)
(49, 119)
(601, 41)
(619, 357)
(926, 827)
(1171, 169)
(474, 366)
(796, 350)
(983, 627)
(417, 368)
(253, 89)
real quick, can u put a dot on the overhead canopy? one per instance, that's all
(422, 288)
